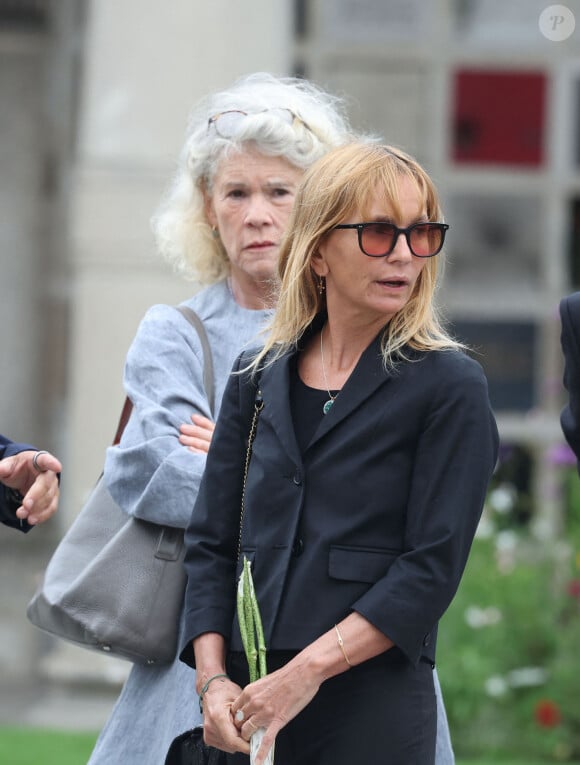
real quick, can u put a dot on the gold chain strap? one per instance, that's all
(258, 406)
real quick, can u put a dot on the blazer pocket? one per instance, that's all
(359, 564)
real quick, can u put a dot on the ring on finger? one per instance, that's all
(240, 715)
(255, 727)
(35, 464)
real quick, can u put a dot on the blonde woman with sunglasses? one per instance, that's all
(374, 445)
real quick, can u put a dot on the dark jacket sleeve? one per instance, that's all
(213, 546)
(454, 461)
(9, 500)
(570, 338)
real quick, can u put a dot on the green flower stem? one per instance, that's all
(242, 615)
(251, 652)
(250, 621)
(259, 629)
(251, 629)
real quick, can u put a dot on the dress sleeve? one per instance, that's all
(212, 535)
(150, 474)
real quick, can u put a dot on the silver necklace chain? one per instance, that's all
(327, 404)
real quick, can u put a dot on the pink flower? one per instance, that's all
(561, 454)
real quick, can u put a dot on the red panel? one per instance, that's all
(499, 117)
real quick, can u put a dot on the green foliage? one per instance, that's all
(508, 646)
(23, 746)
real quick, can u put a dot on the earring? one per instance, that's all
(321, 285)
(214, 232)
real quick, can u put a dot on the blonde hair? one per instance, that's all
(344, 181)
(183, 234)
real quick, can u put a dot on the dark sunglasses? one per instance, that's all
(378, 239)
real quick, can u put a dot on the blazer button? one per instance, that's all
(297, 547)
(297, 479)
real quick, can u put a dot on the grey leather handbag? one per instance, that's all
(116, 583)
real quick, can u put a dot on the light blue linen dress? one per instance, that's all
(152, 476)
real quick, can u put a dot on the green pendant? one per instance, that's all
(327, 406)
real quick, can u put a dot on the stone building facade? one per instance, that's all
(95, 98)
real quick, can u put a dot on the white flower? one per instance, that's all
(482, 617)
(493, 615)
(503, 498)
(473, 617)
(543, 529)
(505, 551)
(527, 677)
(506, 541)
(496, 686)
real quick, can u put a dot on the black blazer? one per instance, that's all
(570, 417)
(377, 516)
(8, 503)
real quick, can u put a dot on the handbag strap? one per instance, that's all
(258, 406)
(123, 419)
(208, 373)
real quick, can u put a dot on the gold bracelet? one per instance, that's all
(341, 645)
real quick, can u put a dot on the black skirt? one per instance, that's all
(381, 712)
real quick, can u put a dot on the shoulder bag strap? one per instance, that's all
(258, 406)
(208, 381)
(123, 419)
(208, 373)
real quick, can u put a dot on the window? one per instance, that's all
(499, 117)
(494, 242)
(506, 351)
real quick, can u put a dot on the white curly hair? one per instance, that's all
(183, 234)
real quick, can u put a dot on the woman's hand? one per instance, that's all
(217, 694)
(219, 729)
(197, 437)
(277, 698)
(273, 701)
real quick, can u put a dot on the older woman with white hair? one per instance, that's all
(221, 223)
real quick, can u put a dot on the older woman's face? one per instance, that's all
(371, 290)
(249, 203)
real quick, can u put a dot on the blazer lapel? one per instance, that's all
(275, 387)
(368, 375)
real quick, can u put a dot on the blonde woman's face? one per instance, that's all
(250, 202)
(371, 290)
